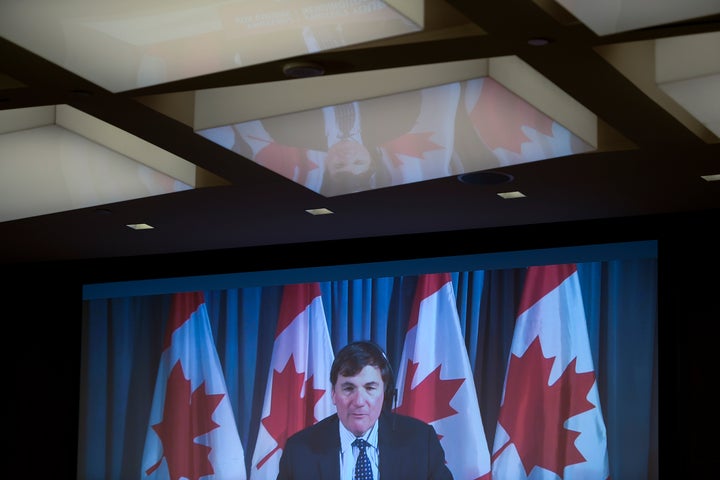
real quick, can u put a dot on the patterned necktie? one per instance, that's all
(345, 120)
(363, 471)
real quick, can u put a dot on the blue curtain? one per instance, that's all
(122, 347)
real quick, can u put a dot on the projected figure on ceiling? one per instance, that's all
(392, 140)
(355, 146)
(403, 138)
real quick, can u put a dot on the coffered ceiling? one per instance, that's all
(166, 127)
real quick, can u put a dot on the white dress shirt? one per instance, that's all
(349, 454)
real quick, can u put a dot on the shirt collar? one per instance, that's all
(347, 437)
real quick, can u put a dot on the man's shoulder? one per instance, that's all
(404, 422)
(319, 428)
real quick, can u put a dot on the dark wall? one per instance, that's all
(43, 307)
(689, 281)
(42, 351)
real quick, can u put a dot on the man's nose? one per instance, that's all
(360, 397)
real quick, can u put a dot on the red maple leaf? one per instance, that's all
(533, 413)
(285, 160)
(499, 115)
(289, 411)
(410, 144)
(186, 416)
(430, 399)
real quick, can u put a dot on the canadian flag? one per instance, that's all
(192, 432)
(435, 380)
(298, 387)
(550, 424)
(512, 128)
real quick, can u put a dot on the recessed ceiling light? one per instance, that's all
(711, 178)
(538, 42)
(485, 178)
(303, 69)
(140, 226)
(508, 195)
(319, 211)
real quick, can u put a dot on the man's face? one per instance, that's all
(348, 156)
(359, 399)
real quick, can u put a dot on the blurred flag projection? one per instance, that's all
(406, 137)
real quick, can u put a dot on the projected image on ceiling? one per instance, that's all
(155, 41)
(403, 138)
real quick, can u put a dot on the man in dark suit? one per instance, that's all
(399, 447)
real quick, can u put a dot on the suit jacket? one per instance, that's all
(409, 449)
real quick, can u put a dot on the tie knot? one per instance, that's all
(360, 443)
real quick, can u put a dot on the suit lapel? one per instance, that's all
(329, 451)
(389, 466)
(330, 467)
